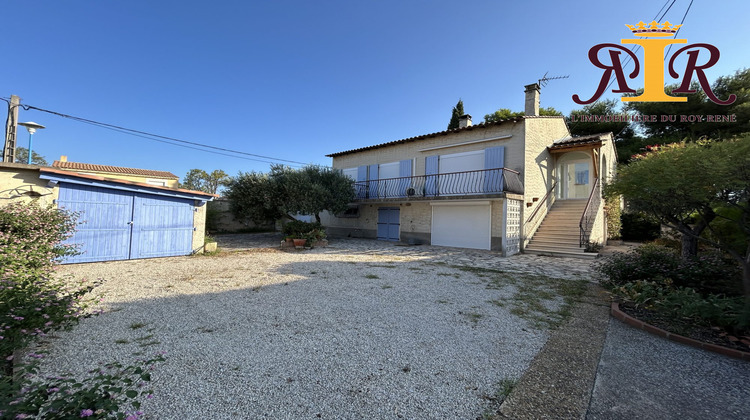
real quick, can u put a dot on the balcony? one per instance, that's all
(455, 184)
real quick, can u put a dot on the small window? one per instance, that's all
(351, 212)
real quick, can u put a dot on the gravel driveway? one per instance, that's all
(331, 333)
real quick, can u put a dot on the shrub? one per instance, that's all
(33, 303)
(613, 214)
(684, 303)
(646, 262)
(109, 392)
(710, 273)
(636, 227)
(299, 229)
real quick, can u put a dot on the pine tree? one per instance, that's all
(458, 111)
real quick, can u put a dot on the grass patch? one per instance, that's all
(442, 301)
(382, 265)
(136, 325)
(386, 286)
(504, 389)
(144, 338)
(544, 301)
(371, 276)
(122, 341)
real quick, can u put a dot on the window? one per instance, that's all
(582, 174)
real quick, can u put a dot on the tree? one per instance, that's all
(696, 187)
(22, 156)
(200, 180)
(580, 126)
(505, 114)
(254, 196)
(456, 114)
(698, 104)
(286, 191)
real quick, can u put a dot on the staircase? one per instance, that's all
(559, 233)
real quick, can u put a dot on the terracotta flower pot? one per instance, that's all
(299, 243)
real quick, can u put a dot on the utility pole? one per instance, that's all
(11, 125)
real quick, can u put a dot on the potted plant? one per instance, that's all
(299, 242)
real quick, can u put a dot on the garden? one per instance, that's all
(697, 285)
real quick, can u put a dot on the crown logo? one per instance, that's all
(654, 29)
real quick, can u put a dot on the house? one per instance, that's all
(145, 176)
(122, 218)
(520, 183)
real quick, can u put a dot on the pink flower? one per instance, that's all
(87, 412)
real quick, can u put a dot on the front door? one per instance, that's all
(576, 179)
(388, 223)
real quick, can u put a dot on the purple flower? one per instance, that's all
(87, 412)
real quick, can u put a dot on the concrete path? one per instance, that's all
(642, 376)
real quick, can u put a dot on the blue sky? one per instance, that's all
(298, 79)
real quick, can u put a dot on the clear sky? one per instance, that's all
(298, 79)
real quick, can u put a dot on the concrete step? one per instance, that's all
(555, 247)
(546, 241)
(586, 255)
(567, 239)
(570, 230)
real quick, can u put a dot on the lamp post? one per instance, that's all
(32, 127)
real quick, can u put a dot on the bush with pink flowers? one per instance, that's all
(34, 302)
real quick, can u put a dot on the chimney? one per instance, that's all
(464, 121)
(532, 99)
(63, 158)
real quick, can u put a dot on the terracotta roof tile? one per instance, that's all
(580, 140)
(439, 133)
(77, 166)
(122, 181)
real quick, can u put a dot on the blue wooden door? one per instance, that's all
(104, 215)
(388, 223)
(121, 225)
(162, 226)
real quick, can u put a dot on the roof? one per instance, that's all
(568, 142)
(113, 169)
(154, 188)
(439, 133)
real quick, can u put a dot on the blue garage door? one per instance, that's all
(121, 225)
(388, 223)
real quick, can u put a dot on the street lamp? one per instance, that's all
(32, 127)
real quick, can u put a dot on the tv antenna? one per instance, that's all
(544, 80)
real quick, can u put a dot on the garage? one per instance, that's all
(123, 220)
(462, 224)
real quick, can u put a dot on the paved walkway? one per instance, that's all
(595, 367)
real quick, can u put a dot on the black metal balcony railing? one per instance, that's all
(487, 181)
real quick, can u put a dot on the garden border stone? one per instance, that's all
(633, 322)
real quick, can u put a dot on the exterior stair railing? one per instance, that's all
(589, 214)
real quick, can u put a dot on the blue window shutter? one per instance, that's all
(373, 172)
(494, 158)
(404, 172)
(374, 184)
(404, 168)
(361, 187)
(431, 168)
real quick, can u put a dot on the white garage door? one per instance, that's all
(463, 225)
